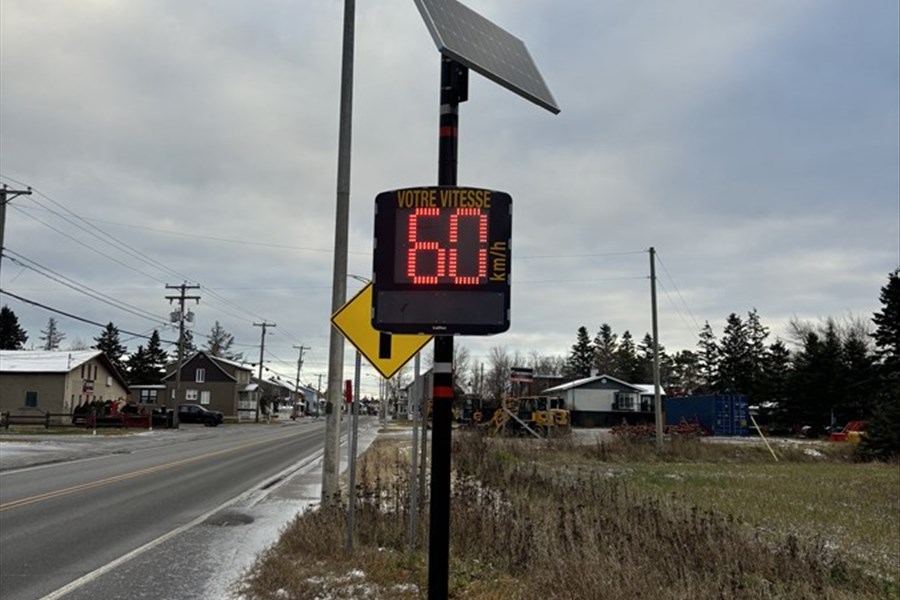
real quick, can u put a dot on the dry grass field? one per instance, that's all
(610, 520)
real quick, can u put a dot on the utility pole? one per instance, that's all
(331, 462)
(657, 401)
(6, 195)
(300, 366)
(318, 394)
(180, 298)
(262, 348)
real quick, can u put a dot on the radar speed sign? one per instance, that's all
(442, 261)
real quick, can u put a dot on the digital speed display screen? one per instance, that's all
(441, 261)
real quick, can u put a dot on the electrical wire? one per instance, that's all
(694, 319)
(128, 250)
(79, 287)
(76, 317)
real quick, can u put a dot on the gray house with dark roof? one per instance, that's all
(215, 383)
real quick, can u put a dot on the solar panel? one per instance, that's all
(475, 42)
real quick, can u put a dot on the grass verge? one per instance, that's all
(609, 521)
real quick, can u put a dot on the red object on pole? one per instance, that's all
(348, 391)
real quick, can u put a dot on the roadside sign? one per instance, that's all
(521, 374)
(442, 261)
(384, 351)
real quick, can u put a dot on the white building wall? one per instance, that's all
(592, 400)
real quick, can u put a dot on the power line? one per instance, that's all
(76, 317)
(89, 247)
(594, 255)
(696, 324)
(128, 250)
(79, 287)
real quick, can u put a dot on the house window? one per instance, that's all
(204, 397)
(626, 401)
(109, 381)
(200, 376)
(190, 395)
(31, 399)
(148, 396)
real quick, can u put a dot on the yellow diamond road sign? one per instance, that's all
(386, 352)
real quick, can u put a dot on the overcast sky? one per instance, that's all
(753, 143)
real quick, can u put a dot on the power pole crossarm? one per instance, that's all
(6, 195)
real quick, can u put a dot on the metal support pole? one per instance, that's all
(454, 89)
(414, 488)
(351, 491)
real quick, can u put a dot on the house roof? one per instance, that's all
(648, 389)
(54, 361)
(643, 388)
(215, 360)
(44, 361)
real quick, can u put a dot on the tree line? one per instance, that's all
(836, 371)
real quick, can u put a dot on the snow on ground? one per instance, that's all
(234, 549)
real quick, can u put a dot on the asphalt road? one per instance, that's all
(63, 522)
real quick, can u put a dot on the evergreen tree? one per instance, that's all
(108, 341)
(883, 436)
(51, 336)
(756, 337)
(777, 369)
(605, 350)
(644, 372)
(628, 365)
(581, 358)
(12, 336)
(139, 372)
(147, 366)
(860, 383)
(887, 326)
(831, 376)
(686, 378)
(157, 356)
(219, 343)
(735, 368)
(802, 405)
(708, 360)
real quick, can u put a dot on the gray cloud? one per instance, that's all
(754, 144)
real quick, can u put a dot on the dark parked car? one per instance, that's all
(194, 413)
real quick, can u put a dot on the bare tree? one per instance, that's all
(497, 379)
(546, 366)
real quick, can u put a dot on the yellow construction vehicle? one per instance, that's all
(540, 416)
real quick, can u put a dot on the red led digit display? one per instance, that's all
(442, 247)
(441, 261)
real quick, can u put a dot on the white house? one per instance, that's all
(604, 401)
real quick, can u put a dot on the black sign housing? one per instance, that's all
(442, 261)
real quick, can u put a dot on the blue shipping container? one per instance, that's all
(721, 414)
